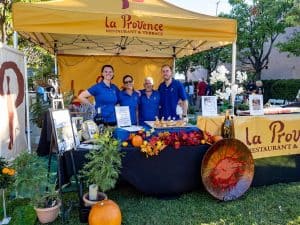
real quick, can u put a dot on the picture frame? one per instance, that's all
(256, 105)
(62, 129)
(209, 105)
(77, 120)
(123, 116)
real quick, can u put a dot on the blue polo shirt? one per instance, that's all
(149, 106)
(106, 98)
(132, 101)
(169, 97)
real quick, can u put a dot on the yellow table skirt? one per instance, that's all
(265, 136)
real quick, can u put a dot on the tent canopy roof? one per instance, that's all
(148, 28)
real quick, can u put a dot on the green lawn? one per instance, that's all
(276, 204)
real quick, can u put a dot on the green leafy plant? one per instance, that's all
(104, 163)
(32, 180)
(37, 109)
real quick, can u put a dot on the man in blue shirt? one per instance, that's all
(171, 91)
(149, 102)
(105, 94)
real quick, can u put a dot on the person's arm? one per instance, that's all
(184, 105)
(83, 97)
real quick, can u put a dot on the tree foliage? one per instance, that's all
(208, 59)
(293, 44)
(258, 27)
(38, 60)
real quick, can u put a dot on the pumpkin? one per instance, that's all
(106, 212)
(137, 141)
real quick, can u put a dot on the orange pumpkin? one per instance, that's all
(106, 212)
(137, 141)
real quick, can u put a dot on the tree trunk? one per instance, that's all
(258, 74)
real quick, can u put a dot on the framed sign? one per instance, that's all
(256, 105)
(123, 116)
(209, 105)
(62, 129)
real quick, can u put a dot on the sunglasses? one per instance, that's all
(128, 82)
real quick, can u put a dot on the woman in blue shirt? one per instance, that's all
(105, 94)
(129, 97)
(149, 102)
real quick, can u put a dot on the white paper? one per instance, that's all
(256, 105)
(123, 116)
(209, 105)
(132, 128)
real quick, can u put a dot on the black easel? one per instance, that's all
(58, 104)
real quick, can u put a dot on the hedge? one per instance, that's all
(281, 89)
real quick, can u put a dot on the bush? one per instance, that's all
(281, 89)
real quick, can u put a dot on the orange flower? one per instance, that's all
(11, 172)
(8, 171)
(5, 170)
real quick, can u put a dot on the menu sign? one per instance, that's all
(209, 106)
(123, 116)
(256, 105)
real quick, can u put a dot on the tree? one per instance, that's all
(5, 19)
(258, 27)
(293, 44)
(38, 59)
(208, 59)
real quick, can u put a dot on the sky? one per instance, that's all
(208, 7)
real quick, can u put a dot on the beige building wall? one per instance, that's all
(281, 64)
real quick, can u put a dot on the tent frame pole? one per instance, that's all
(233, 71)
(55, 59)
(28, 131)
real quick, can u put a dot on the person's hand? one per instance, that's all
(139, 92)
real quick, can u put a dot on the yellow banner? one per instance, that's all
(268, 136)
(265, 136)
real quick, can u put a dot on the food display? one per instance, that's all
(166, 123)
(272, 111)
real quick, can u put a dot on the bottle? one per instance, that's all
(98, 119)
(227, 126)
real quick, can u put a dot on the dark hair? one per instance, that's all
(110, 66)
(126, 76)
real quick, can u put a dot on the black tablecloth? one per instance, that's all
(171, 172)
(177, 171)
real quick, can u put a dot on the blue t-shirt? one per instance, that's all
(132, 101)
(149, 106)
(106, 98)
(169, 97)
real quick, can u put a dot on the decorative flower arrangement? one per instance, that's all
(224, 89)
(157, 143)
(7, 174)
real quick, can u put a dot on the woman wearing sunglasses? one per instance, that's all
(129, 97)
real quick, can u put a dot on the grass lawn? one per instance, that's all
(276, 204)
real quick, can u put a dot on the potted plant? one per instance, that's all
(32, 181)
(103, 167)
